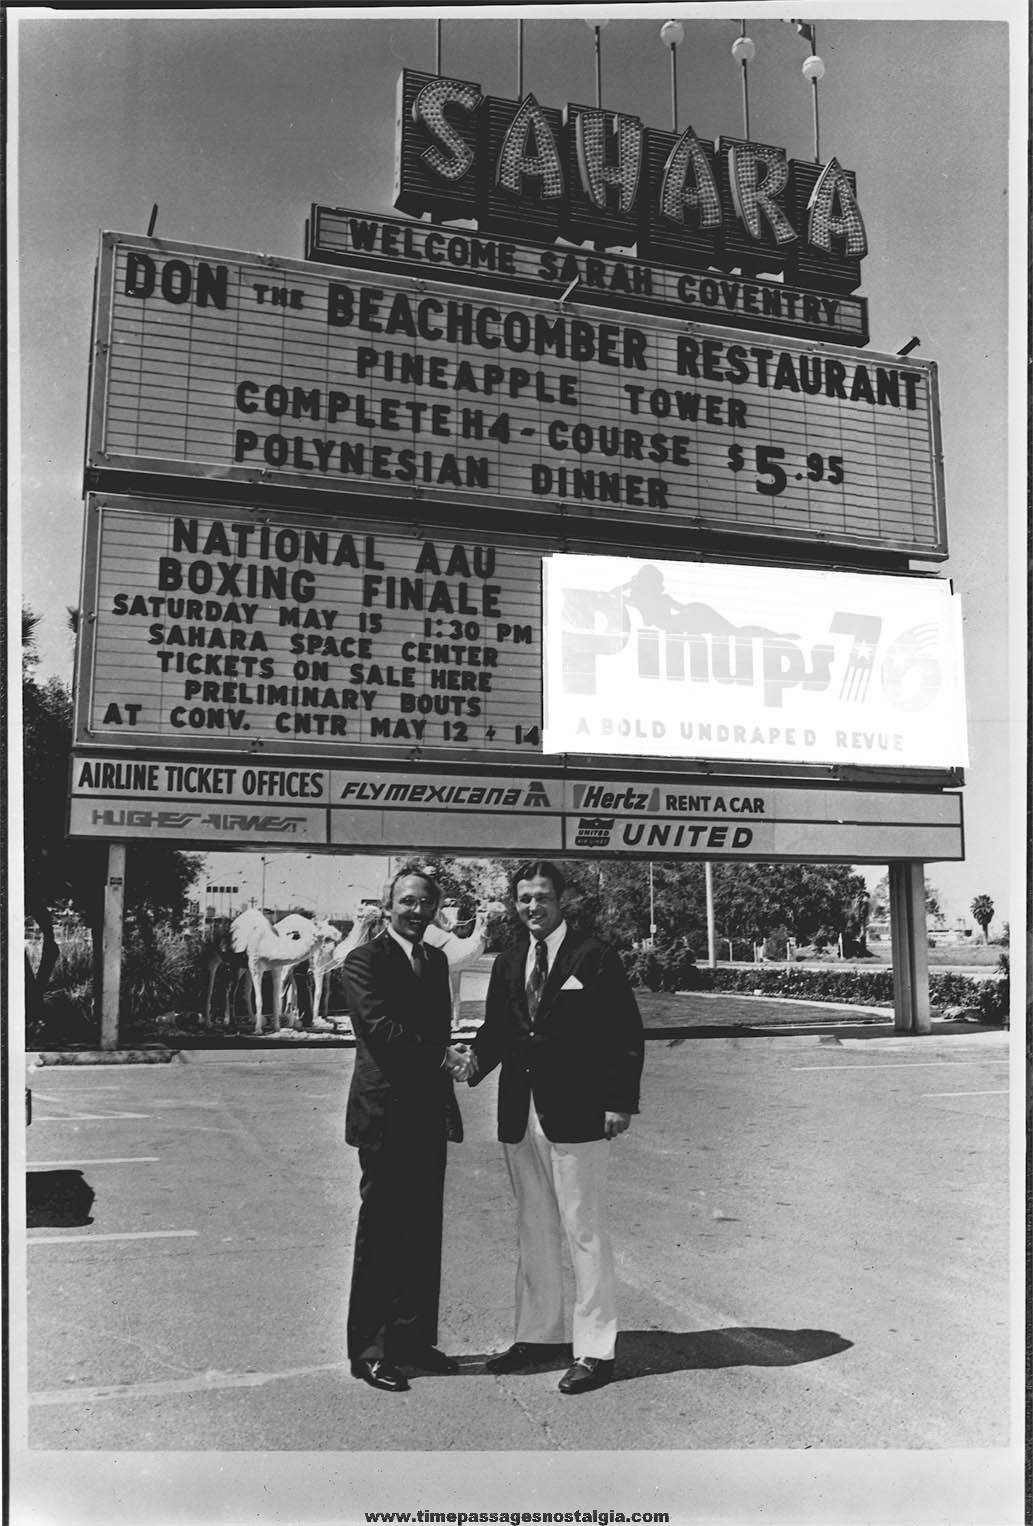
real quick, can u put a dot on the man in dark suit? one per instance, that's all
(401, 1111)
(561, 1019)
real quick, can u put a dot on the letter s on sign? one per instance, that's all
(428, 110)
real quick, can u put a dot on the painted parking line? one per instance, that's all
(140, 1234)
(67, 1090)
(97, 1160)
(200, 1383)
(88, 1117)
(897, 1064)
(254, 1064)
(1003, 1093)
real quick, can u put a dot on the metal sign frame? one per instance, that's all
(124, 563)
(730, 480)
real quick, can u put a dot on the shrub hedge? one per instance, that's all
(676, 970)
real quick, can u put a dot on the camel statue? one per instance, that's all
(460, 952)
(276, 950)
(328, 957)
(442, 933)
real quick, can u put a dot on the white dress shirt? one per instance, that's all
(552, 945)
(403, 943)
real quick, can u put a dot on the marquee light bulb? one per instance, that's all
(672, 34)
(813, 68)
(744, 50)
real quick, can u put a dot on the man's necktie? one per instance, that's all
(539, 974)
(419, 959)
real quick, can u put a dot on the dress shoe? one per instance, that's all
(380, 1374)
(430, 1359)
(587, 1372)
(522, 1356)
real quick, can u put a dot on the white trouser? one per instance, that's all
(561, 1188)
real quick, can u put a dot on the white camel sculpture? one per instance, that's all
(320, 962)
(328, 957)
(276, 950)
(460, 952)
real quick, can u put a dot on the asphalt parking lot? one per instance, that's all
(811, 1237)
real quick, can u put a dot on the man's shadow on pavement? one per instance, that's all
(642, 1353)
(648, 1353)
(57, 1199)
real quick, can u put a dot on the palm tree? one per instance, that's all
(983, 911)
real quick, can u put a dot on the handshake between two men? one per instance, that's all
(460, 1062)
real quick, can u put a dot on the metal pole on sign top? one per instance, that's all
(744, 51)
(437, 46)
(813, 70)
(520, 60)
(672, 35)
(596, 25)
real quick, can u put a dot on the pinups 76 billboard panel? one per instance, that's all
(710, 660)
(241, 368)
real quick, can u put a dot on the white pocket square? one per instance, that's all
(572, 984)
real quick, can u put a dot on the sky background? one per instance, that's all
(235, 123)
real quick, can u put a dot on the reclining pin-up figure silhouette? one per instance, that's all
(598, 625)
(646, 593)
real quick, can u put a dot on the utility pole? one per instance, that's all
(708, 875)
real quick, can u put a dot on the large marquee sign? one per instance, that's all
(338, 236)
(213, 364)
(517, 167)
(244, 802)
(706, 660)
(212, 629)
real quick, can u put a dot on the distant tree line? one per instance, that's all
(751, 901)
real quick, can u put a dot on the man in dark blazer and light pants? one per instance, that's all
(401, 1112)
(561, 1019)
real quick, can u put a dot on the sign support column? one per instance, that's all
(111, 966)
(911, 1012)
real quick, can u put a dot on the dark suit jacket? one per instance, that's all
(584, 1057)
(402, 1027)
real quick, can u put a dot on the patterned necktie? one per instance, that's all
(539, 974)
(419, 960)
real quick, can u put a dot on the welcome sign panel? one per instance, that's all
(240, 368)
(708, 660)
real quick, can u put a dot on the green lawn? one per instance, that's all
(958, 956)
(663, 1009)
